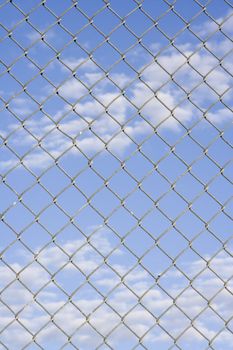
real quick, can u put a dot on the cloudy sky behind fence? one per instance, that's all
(115, 174)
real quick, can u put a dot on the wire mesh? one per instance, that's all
(116, 174)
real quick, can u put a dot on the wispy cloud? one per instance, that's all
(101, 118)
(139, 311)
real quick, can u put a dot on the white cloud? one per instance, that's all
(102, 317)
(208, 28)
(81, 63)
(222, 115)
(72, 89)
(8, 164)
(109, 102)
(35, 37)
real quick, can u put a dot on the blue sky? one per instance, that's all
(115, 174)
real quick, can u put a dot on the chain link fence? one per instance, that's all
(115, 174)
